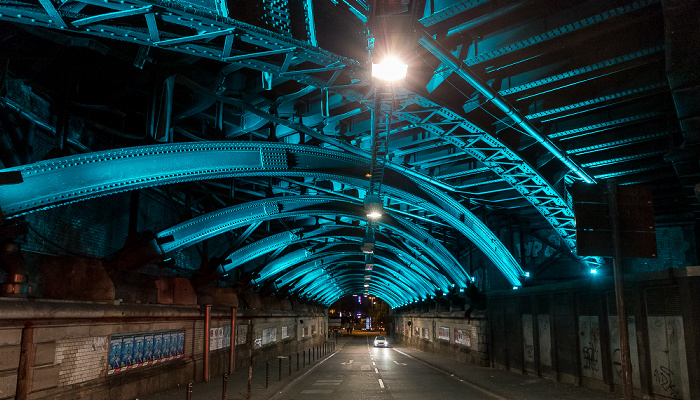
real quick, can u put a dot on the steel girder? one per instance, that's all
(51, 183)
(331, 263)
(425, 269)
(498, 157)
(162, 26)
(558, 31)
(293, 260)
(286, 239)
(333, 254)
(156, 30)
(330, 255)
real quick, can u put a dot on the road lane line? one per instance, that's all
(486, 390)
(376, 371)
(381, 383)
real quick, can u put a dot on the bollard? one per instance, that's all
(223, 391)
(279, 361)
(267, 374)
(297, 361)
(189, 391)
(290, 364)
(250, 378)
(304, 355)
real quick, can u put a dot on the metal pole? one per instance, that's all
(232, 356)
(290, 364)
(223, 392)
(267, 374)
(627, 389)
(297, 361)
(279, 372)
(189, 391)
(304, 355)
(207, 318)
(250, 378)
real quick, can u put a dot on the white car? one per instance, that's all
(380, 341)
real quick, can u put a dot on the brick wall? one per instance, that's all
(81, 359)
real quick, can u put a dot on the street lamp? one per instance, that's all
(389, 70)
(373, 206)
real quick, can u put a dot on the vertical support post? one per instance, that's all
(620, 292)
(189, 391)
(232, 355)
(25, 374)
(250, 378)
(223, 392)
(279, 372)
(290, 364)
(207, 320)
(267, 374)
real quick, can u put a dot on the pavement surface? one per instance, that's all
(357, 370)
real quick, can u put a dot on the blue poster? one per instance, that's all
(148, 347)
(115, 352)
(127, 357)
(157, 342)
(165, 350)
(138, 349)
(173, 343)
(181, 342)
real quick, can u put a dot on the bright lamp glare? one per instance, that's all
(374, 215)
(389, 70)
(594, 271)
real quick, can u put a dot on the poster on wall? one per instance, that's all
(226, 337)
(138, 349)
(145, 348)
(426, 334)
(181, 342)
(127, 351)
(416, 332)
(157, 341)
(148, 347)
(241, 334)
(115, 353)
(462, 337)
(444, 333)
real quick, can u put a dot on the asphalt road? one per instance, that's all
(360, 371)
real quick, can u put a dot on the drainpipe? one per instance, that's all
(457, 66)
(207, 319)
(232, 356)
(16, 278)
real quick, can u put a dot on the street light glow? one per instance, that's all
(374, 215)
(390, 70)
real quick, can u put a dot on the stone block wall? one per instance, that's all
(449, 334)
(61, 349)
(10, 346)
(570, 333)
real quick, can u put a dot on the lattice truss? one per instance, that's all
(205, 30)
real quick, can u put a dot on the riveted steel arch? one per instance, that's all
(65, 180)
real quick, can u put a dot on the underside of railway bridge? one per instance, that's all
(187, 186)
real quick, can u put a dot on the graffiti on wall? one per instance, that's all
(533, 249)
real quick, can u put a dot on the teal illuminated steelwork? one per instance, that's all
(65, 180)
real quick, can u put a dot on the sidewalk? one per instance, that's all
(506, 384)
(237, 384)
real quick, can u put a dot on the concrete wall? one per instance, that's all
(60, 349)
(449, 334)
(570, 333)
